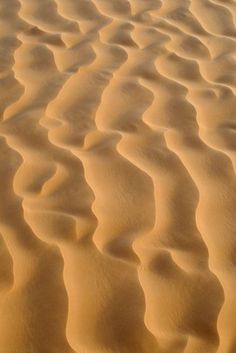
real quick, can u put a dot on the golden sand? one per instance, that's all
(117, 176)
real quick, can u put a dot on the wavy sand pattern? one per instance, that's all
(117, 176)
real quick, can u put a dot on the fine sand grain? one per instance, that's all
(117, 176)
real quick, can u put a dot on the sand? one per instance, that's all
(117, 176)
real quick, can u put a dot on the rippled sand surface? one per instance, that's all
(117, 176)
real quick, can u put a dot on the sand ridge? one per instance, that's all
(117, 176)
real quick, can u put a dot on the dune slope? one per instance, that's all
(117, 176)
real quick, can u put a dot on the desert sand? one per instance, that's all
(117, 176)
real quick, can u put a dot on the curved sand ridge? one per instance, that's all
(117, 176)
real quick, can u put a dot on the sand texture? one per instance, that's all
(117, 176)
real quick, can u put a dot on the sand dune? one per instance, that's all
(117, 176)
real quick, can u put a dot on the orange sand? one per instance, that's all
(117, 176)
